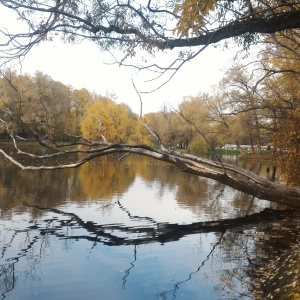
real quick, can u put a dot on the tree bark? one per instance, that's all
(273, 24)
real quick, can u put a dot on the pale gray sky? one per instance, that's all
(83, 66)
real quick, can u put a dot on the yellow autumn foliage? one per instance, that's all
(283, 91)
(192, 13)
(115, 121)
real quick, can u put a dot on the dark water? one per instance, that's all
(131, 230)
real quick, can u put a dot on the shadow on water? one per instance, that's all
(141, 230)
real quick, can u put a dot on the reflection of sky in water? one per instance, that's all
(152, 204)
(140, 200)
(54, 268)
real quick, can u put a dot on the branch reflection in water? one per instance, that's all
(176, 285)
(127, 271)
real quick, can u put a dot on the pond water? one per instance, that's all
(141, 229)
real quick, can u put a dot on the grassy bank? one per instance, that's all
(263, 156)
(224, 152)
(245, 156)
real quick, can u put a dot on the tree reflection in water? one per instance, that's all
(127, 271)
(163, 295)
(49, 225)
(255, 264)
(7, 282)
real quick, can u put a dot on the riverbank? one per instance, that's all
(223, 152)
(264, 156)
(261, 157)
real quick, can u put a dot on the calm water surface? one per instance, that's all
(111, 230)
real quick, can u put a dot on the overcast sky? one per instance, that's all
(84, 66)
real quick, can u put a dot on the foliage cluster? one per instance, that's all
(39, 107)
(116, 122)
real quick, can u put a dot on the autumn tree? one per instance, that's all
(287, 143)
(80, 100)
(54, 100)
(223, 125)
(12, 106)
(108, 120)
(171, 128)
(198, 130)
(186, 127)
(35, 105)
(22, 104)
(281, 63)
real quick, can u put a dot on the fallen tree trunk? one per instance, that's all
(230, 175)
